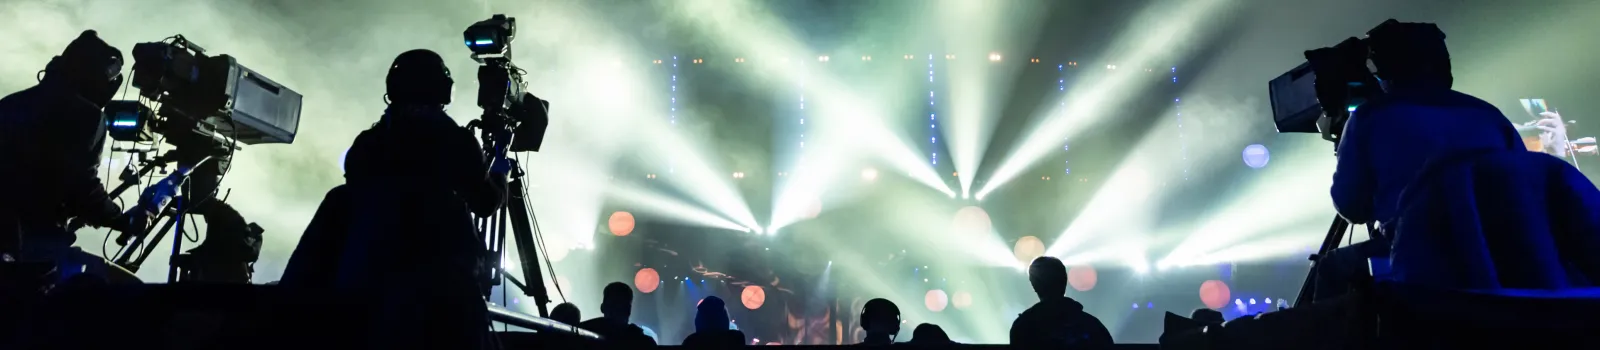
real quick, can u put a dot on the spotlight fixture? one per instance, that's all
(949, 57)
(650, 176)
(699, 61)
(738, 175)
(994, 57)
(656, 61)
(1074, 64)
(908, 57)
(822, 58)
(1046, 178)
(1111, 66)
(1034, 60)
(956, 174)
(738, 60)
(866, 58)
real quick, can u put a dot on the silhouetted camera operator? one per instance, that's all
(414, 180)
(1390, 140)
(52, 139)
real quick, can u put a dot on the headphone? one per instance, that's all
(419, 76)
(879, 308)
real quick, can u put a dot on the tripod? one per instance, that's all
(493, 231)
(1336, 233)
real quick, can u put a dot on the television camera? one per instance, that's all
(513, 121)
(205, 107)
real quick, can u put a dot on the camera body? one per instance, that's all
(501, 90)
(202, 99)
(1318, 96)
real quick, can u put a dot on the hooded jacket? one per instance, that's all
(52, 140)
(1059, 323)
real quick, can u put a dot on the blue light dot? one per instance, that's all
(1255, 156)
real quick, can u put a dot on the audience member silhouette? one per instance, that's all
(711, 327)
(930, 334)
(613, 324)
(566, 313)
(1207, 316)
(881, 319)
(1056, 322)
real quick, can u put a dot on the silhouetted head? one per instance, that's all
(617, 306)
(711, 315)
(566, 313)
(1207, 316)
(1412, 54)
(1048, 277)
(90, 67)
(419, 77)
(928, 333)
(881, 319)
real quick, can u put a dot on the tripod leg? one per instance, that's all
(522, 227)
(177, 241)
(1336, 232)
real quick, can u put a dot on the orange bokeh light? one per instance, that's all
(1082, 277)
(936, 300)
(961, 300)
(621, 223)
(646, 280)
(1027, 249)
(1214, 294)
(752, 297)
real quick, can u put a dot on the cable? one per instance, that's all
(538, 235)
(107, 240)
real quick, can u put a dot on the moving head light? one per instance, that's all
(212, 96)
(506, 106)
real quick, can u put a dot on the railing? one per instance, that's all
(537, 324)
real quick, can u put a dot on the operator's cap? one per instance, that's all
(89, 53)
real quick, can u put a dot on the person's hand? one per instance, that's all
(131, 223)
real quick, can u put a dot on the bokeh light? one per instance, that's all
(961, 300)
(646, 280)
(973, 221)
(1256, 156)
(813, 207)
(1214, 294)
(753, 297)
(621, 223)
(1027, 249)
(936, 300)
(1082, 277)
